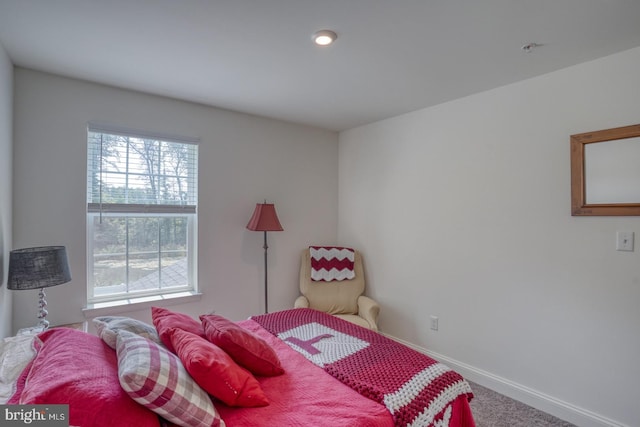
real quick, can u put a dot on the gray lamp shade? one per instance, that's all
(36, 268)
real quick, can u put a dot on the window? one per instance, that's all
(142, 199)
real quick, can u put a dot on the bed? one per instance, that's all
(298, 367)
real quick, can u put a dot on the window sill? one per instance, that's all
(136, 304)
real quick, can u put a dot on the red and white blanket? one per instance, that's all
(415, 389)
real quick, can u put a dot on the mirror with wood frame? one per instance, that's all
(605, 172)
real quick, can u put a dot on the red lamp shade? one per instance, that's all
(264, 218)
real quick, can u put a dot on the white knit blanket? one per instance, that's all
(15, 354)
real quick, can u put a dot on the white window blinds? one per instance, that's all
(134, 172)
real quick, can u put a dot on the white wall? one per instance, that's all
(6, 138)
(243, 160)
(462, 211)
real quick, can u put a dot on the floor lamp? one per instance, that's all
(265, 219)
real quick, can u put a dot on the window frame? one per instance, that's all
(118, 210)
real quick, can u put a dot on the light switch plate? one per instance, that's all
(434, 323)
(624, 241)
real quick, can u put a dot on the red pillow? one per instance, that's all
(216, 372)
(79, 369)
(164, 320)
(247, 349)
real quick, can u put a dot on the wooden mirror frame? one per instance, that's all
(579, 205)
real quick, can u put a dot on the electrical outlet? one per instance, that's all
(624, 241)
(434, 323)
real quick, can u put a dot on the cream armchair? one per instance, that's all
(343, 299)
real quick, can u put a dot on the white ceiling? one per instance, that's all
(256, 56)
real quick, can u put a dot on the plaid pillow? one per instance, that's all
(155, 378)
(108, 327)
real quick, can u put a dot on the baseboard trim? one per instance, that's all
(549, 404)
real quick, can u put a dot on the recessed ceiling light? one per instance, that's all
(324, 37)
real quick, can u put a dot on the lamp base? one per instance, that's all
(42, 313)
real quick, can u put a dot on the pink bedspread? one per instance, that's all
(304, 396)
(415, 389)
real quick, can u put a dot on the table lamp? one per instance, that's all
(38, 268)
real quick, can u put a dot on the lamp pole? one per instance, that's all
(266, 296)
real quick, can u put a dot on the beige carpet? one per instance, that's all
(491, 409)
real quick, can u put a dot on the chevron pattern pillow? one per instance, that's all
(329, 263)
